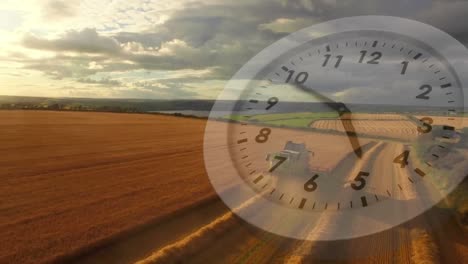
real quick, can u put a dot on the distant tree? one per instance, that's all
(54, 107)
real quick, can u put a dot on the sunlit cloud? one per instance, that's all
(162, 49)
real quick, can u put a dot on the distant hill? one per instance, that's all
(146, 105)
(105, 105)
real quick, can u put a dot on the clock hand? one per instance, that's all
(345, 117)
(350, 131)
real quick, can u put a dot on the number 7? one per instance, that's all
(281, 160)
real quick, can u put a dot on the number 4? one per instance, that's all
(402, 159)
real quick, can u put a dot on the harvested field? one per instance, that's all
(379, 116)
(71, 180)
(332, 148)
(417, 241)
(397, 129)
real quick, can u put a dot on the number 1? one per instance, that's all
(405, 66)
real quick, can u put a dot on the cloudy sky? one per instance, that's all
(166, 49)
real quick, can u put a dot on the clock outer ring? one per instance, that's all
(294, 223)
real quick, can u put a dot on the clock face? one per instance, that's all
(341, 130)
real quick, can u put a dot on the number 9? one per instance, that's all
(272, 102)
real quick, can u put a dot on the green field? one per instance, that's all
(294, 120)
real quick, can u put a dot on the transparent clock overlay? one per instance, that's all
(284, 157)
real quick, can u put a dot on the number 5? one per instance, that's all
(362, 181)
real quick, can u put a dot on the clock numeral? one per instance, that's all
(360, 180)
(376, 57)
(300, 78)
(424, 96)
(281, 160)
(405, 66)
(263, 135)
(338, 61)
(311, 185)
(426, 127)
(272, 102)
(402, 159)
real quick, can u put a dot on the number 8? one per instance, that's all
(263, 135)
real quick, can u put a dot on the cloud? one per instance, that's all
(102, 82)
(104, 39)
(286, 25)
(59, 9)
(198, 36)
(170, 89)
(95, 66)
(437, 15)
(84, 41)
(72, 91)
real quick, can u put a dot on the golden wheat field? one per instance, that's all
(433, 237)
(76, 186)
(70, 180)
(398, 129)
(378, 116)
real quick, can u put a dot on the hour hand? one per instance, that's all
(345, 117)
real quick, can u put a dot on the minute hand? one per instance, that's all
(345, 117)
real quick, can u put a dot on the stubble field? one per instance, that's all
(73, 180)
(78, 184)
(397, 129)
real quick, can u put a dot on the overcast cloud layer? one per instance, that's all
(166, 49)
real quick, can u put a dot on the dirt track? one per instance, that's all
(430, 238)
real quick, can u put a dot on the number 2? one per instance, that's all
(424, 96)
